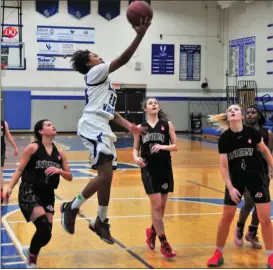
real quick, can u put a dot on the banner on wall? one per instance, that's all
(190, 63)
(57, 48)
(109, 9)
(53, 62)
(242, 57)
(79, 8)
(162, 59)
(47, 8)
(148, 1)
(11, 32)
(65, 34)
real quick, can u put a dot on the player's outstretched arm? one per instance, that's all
(129, 52)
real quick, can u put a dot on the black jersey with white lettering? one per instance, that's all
(3, 134)
(157, 135)
(241, 150)
(34, 172)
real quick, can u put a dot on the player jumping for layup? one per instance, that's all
(96, 134)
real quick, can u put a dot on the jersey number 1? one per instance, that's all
(113, 100)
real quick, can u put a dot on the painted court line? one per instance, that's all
(134, 216)
(6, 244)
(11, 233)
(142, 248)
(12, 263)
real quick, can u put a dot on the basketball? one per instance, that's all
(137, 10)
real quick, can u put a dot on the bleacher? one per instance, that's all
(245, 94)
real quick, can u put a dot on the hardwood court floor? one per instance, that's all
(191, 219)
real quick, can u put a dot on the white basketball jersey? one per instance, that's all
(100, 95)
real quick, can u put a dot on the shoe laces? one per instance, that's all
(166, 246)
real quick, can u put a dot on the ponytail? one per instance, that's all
(39, 126)
(162, 115)
(219, 121)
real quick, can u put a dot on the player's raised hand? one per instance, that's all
(137, 129)
(144, 25)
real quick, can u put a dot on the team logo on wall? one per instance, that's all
(57, 48)
(46, 62)
(10, 33)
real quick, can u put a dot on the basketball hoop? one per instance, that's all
(3, 69)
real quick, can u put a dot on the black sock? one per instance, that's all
(240, 225)
(162, 238)
(253, 229)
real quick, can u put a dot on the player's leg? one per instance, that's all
(244, 213)
(229, 211)
(32, 210)
(70, 209)
(101, 224)
(259, 189)
(252, 234)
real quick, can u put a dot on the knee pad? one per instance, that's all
(43, 229)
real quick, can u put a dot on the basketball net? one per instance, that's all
(3, 69)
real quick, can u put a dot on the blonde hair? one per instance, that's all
(220, 121)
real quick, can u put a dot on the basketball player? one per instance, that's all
(5, 133)
(40, 168)
(242, 167)
(255, 119)
(96, 134)
(156, 169)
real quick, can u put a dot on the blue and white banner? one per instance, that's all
(190, 63)
(65, 34)
(148, 1)
(109, 9)
(47, 8)
(242, 56)
(162, 59)
(79, 8)
(53, 62)
(57, 48)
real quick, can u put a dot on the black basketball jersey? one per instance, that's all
(241, 149)
(264, 134)
(34, 172)
(157, 135)
(3, 134)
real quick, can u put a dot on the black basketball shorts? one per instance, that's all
(157, 176)
(30, 196)
(255, 182)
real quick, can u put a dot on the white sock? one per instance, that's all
(78, 202)
(269, 252)
(220, 249)
(102, 212)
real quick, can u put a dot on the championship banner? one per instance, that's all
(109, 9)
(148, 1)
(162, 59)
(10, 32)
(53, 62)
(190, 63)
(57, 48)
(65, 34)
(79, 8)
(47, 8)
(242, 56)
